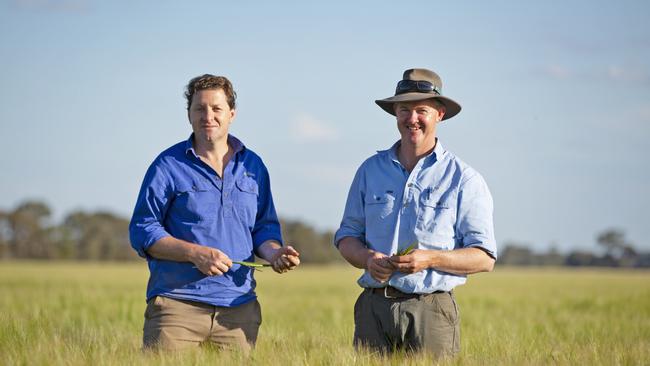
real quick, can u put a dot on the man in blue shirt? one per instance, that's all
(418, 198)
(206, 203)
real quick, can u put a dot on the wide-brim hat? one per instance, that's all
(419, 84)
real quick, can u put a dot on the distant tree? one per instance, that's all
(515, 253)
(618, 251)
(643, 260)
(96, 236)
(28, 231)
(314, 246)
(552, 257)
(580, 258)
(613, 240)
(5, 235)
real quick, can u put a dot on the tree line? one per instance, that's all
(27, 232)
(616, 252)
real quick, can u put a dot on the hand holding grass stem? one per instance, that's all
(407, 250)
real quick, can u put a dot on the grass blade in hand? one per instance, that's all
(252, 265)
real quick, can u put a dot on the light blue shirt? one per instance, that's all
(442, 204)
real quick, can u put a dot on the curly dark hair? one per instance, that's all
(208, 81)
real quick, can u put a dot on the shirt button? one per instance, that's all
(225, 194)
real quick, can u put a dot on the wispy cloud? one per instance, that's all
(628, 75)
(556, 72)
(306, 128)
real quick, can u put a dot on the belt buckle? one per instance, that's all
(386, 293)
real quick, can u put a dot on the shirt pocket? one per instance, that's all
(436, 219)
(245, 204)
(379, 207)
(195, 203)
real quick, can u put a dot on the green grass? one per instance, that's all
(79, 314)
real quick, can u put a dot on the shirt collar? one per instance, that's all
(234, 142)
(437, 153)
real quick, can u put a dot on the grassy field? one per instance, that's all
(77, 314)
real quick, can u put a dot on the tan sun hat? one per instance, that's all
(419, 84)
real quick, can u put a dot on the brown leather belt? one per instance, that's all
(391, 292)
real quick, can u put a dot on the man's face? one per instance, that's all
(416, 122)
(210, 115)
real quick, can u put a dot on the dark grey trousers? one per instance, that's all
(429, 323)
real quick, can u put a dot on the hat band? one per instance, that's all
(420, 86)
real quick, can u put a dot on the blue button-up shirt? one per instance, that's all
(443, 204)
(182, 197)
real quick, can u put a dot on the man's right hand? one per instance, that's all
(210, 261)
(379, 266)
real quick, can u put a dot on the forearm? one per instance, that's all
(460, 261)
(173, 249)
(268, 249)
(209, 261)
(355, 252)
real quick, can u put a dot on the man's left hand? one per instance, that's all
(413, 262)
(285, 259)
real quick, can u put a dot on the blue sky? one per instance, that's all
(555, 96)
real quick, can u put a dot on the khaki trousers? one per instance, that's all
(428, 323)
(172, 324)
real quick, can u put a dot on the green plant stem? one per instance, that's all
(252, 264)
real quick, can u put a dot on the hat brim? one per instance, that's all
(452, 108)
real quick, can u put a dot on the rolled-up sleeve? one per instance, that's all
(267, 225)
(353, 223)
(475, 210)
(146, 226)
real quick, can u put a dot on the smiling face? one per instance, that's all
(210, 115)
(416, 122)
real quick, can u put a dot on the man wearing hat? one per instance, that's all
(418, 220)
